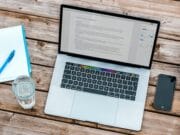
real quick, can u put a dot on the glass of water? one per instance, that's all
(24, 90)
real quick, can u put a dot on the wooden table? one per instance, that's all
(41, 19)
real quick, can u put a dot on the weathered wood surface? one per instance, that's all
(41, 18)
(45, 54)
(167, 12)
(18, 124)
(8, 103)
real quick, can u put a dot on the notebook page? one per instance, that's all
(12, 38)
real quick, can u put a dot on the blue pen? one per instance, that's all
(9, 58)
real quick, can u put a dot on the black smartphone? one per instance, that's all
(164, 92)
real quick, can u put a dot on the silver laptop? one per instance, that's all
(102, 68)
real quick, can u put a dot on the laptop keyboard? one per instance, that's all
(100, 81)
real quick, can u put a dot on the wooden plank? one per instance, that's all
(150, 99)
(154, 124)
(36, 27)
(8, 102)
(167, 51)
(45, 53)
(42, 75)
(44, 29)
(160, 68)
(168, 13)
(169, 27)
(18, 124)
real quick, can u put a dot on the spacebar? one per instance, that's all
(95, 91)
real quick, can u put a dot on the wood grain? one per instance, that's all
(36, 27)
(160, 125)
(167, 13)
(42, 53)
(45, 53)
(41, 20)
(8, 103)
(18, 124)
(42, 75)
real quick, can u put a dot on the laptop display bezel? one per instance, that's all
(111, 14)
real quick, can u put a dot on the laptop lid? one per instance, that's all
(107, 36)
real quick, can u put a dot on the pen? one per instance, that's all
(9, 58)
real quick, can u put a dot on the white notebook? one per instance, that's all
(13, 38)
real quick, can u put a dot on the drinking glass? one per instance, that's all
(24, 89)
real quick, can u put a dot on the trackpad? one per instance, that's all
(96, 108)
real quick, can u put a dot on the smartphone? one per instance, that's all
(164, 92)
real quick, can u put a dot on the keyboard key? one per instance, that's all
(116, 90)
(94, 91)
(105, 83)
(70, 81)
(73, 77)
(84, 79)
(111, 89)
(101, 87)
(67, 76)
(132, 98)
(119, 81)
(107, 74)
(64, 80)
(111, 94)
(79, 88)
(95, 86)
(112, 75)
(68, 86)
(129, 92)
(92, 71)
(106, 88)
(79, 79)
(88, 75)
(122, 96)
(89, 80)
(109, 84)
(75, 83)
(63, 85)
(98, 77)
(85, 84)
(80, 83)
(127, 97)
(87, 71)
(124, 82)
(104, 78)
(90, 85)
(123, 77)
(117, 95)
(115, 85)
(67, 71)
(100, 81)
(94, 76)
(83, 74)
(97, 72)
(119, 86)
(94, 81)
(78, 73)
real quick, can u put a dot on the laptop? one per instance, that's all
(102, 68)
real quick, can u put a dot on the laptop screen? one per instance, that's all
(106, 36)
